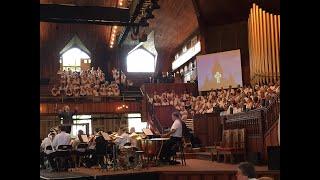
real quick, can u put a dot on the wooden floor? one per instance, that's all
(194, 166)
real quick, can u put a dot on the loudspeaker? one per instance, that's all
(273, 157)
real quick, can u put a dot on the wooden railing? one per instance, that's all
(267, 115)
(257, 123)
(125, 96)
(49, 108)
(208, 128)
(271, 114)
(178, 88)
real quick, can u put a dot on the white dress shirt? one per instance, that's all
(62, 138)
(178, 127)
(125, 138)
(46, 142)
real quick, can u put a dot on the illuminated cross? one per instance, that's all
(218, 77)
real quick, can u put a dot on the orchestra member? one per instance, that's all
(62, 138)
(175, 135)
(123, 137)
(101, 149)
(45, 143)
(78, 139)
(133, 136)
(48, 141)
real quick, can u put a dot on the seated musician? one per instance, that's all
(133, 137)
(78, 140)
(44, 144)
(175, 135)
(123, 137)
(48, 141)
(101, 148)
(62, 138)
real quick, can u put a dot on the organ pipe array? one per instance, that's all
(264, 45)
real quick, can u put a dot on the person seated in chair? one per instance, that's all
(101, 149)
(175, 134)
(62, 138)
(246, 171)
(78, 139)
(44, 144)
(48, 141)
(122, 138)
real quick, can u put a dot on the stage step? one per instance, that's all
(199, 155)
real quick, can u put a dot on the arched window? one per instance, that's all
(73, 58)
(140, 60)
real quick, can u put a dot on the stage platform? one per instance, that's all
(194, 170)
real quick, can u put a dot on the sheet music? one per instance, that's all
(106, 136)
(84, 138)
(147, 132)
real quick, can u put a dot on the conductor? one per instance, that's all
(66, 115)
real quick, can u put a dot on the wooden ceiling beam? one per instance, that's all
(84, 14)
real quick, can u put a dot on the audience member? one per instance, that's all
(229, 101)
(87, 83)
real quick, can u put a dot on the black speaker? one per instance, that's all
(273, 157)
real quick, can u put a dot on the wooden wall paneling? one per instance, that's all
(210, 129)
(90, 107)
(222, 177)
(166, 177)
(182, 177)
(208, 177)
(195, 177)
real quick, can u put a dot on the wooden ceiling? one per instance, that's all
(174, 22)
(44, 35)
(103, 3)
(218, 12)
